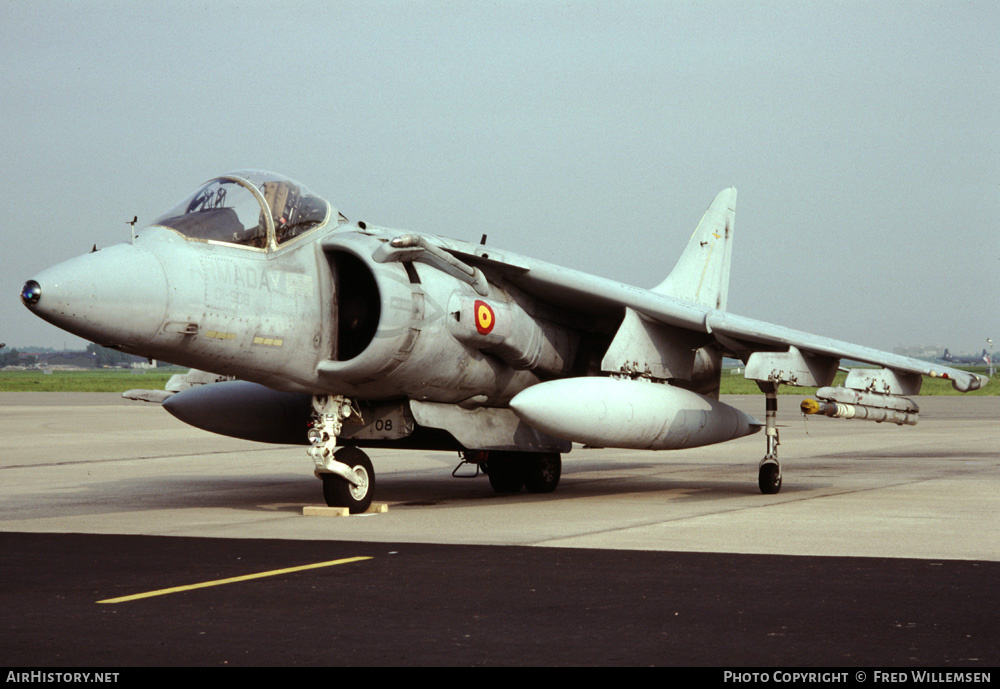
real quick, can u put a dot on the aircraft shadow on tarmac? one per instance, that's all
(425, 488)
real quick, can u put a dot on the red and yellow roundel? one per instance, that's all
(485, 318)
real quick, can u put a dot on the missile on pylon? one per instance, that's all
(845, 403)
(637, 414)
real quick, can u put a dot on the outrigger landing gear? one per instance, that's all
(347, 474)
(769, 475)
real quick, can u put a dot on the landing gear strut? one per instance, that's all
(347, 474)
(769, 474)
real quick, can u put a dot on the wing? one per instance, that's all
(663, 325)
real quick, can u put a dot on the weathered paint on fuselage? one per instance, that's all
(271, 317)
(413, 352)
(251, 314)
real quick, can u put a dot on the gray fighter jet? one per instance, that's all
(303, 327)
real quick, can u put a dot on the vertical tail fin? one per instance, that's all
(701, 274)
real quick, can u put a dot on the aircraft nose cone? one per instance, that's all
(30, 293)
(116, 296)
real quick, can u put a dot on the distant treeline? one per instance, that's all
(95, 356)
(12, 357)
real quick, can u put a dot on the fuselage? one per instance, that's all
(312, 312)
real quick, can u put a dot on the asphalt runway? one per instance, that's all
(883, 549)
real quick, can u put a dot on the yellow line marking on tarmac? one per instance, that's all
(232, 580)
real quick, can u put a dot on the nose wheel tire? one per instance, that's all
(339, 492)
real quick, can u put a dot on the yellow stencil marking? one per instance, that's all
(232, 580)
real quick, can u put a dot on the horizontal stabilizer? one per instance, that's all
(177, 383)
(155, 396)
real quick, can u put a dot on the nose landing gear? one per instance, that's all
(354, 492)
(347, 474)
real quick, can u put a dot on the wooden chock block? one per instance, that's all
(324, 511)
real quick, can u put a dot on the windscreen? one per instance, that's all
(248, 208)
(223, 210)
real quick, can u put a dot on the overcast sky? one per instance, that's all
(863, 138)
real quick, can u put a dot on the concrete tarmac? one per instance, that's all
(882, 549)
(94, 463)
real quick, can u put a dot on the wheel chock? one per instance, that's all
(324, 511)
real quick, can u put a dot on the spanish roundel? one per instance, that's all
(485, 318)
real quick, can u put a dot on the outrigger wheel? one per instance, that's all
(769, 478)
(769, 474)
(339, 492)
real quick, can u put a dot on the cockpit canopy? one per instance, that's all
(249, 208)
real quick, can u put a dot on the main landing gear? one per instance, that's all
(538, 472)
(769, 474)
(347, 474)
(349, 479)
